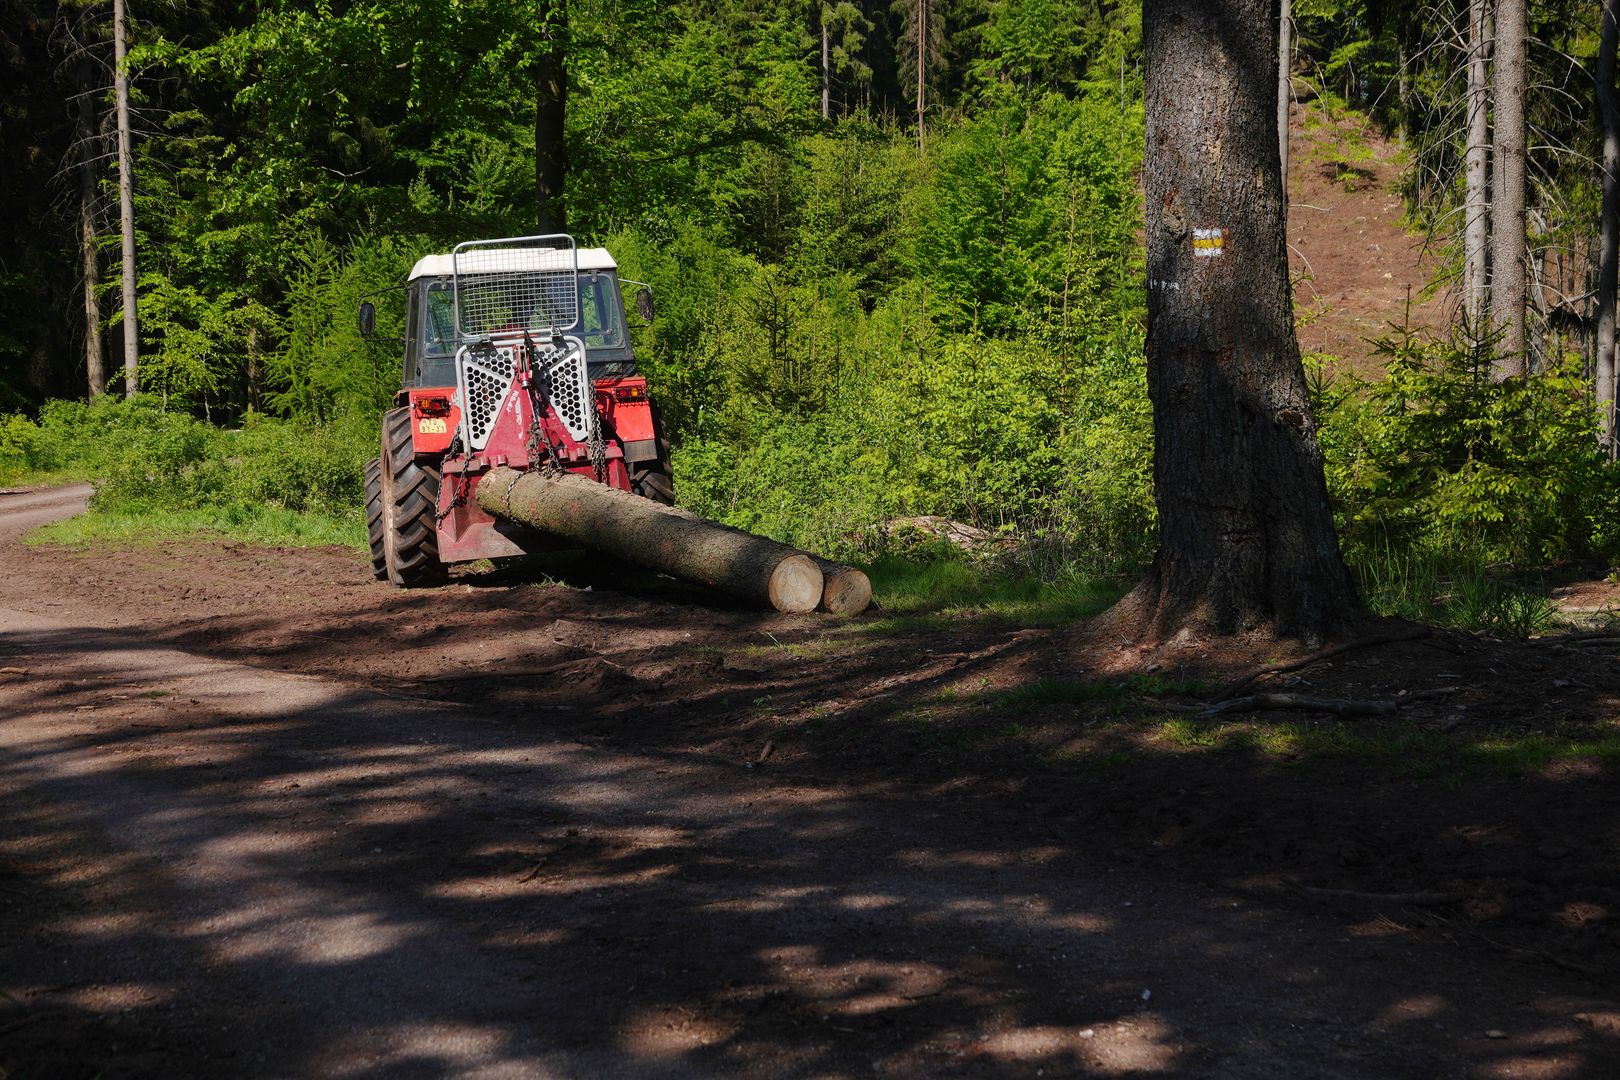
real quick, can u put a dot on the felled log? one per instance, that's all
(844, 589)
(658, 537)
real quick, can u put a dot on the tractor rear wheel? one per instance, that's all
(374, 519)
(410, 502)
(655, 479)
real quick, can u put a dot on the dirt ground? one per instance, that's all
(1355, 266)
(265, 817)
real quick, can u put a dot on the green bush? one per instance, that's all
(1437, 457)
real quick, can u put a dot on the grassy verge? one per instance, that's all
(267, 526)
(945, 591)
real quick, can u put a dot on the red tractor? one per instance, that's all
(517, 355)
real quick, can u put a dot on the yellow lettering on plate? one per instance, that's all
(431, 425)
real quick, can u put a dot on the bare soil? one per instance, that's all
(1358, 270)
(260, 816)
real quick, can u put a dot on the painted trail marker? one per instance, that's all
(1208, 243)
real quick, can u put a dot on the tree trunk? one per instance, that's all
(826, 68)
(550, 118)
(126, 202)
(1246, 540)
(1609, 237)
(95, 364)
(1476, 214)
(922, 66)
(1285, 85)
(1509, 291)
(658, 537)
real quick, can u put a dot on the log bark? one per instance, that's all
(1246, 540)
(844, 589)
(658, 537)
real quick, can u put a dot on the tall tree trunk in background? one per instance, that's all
(826, 68)
(126, 202)
(922, 66)
(550, 118)
(1509, 290)
(85, 127)
(1609, 238)
(1285, 86)
(1246, 538)
(1476, 213)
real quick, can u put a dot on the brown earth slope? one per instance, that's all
(1355, 264)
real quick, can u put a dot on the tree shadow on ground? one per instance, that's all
(325, 882)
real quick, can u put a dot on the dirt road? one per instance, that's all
(231, 848)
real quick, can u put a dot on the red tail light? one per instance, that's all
(630, 393)
(432, 406)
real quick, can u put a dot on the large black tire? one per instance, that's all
(410, 501)
(374, 519)
(653, 480)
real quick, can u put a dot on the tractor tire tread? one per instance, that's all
(374, 519)
(412, 488)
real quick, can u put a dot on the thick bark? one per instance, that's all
(1285, 85)
(95, 364)
(658, 537)
(1509, 287)
(1609, 238)
(126, 202)
(550, 118)
(1476, 223)
(1246, 538)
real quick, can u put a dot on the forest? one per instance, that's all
(896, 250)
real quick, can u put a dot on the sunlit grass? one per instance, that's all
(942, 591)
(265, 526)
(1419, 754)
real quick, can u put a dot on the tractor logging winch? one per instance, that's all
(517, 355)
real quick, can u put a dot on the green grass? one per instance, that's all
(1452, 593)
(268, 526)
(941, 591)
(1423, 755)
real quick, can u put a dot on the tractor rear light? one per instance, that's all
(630, 393)
(432, 406)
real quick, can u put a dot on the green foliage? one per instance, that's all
(160, 462)
(1438, 457)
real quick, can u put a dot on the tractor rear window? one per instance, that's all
(601, 323)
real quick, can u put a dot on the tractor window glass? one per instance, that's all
(441, 320)
(600, 323)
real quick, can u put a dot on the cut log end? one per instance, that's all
(796, 585)
(845, 590)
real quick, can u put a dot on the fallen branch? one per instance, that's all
(1337, 706)
(1419, 899)
(1317, 657)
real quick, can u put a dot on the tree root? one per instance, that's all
(1232, 688)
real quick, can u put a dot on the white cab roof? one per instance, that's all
(511, 260)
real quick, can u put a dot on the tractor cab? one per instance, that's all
(432, 338)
